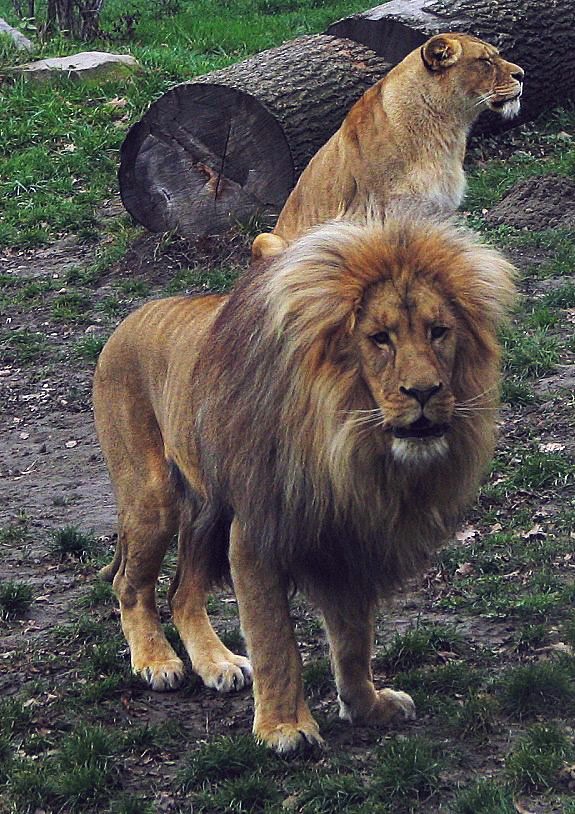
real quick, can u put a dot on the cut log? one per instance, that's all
(539, 35)
(231, 144)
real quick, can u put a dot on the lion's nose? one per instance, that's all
(518, 73)
(422, 396)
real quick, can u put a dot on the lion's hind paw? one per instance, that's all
(389, 707)
(392, 706)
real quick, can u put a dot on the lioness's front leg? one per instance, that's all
(282, 718)
(351, 641)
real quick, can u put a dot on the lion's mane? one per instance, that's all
(278, 385)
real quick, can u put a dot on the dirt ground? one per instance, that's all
(52, 475)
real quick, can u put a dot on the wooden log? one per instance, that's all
(539, 35)
(231, 144)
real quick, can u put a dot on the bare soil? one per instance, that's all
(543, 202)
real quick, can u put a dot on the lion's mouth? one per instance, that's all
(499, 104)
(422, 428)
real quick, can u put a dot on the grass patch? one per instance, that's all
(318, 677)
(253, 793)
(536, 689)
(80, 774)
(407, 771)
(15, 598)
(484, 797)
(535, 762)
(222, 759)
(326, 793)
(475, 718)
(14, 716)
(71, 307)
(15, 534)
(22, 346)
(71, 542)
(419, 646)
(529, 354)
(89, 348)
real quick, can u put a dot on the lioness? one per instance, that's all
(404, 140)
(323, 426)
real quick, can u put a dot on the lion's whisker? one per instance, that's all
(479, 395)
(485, 98)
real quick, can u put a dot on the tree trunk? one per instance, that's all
(229, 145)
(538, 35)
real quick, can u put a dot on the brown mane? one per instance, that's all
(280, 441)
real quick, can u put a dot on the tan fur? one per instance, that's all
(266, 428)
(404, 141)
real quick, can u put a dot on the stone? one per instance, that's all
(21, 42)
(96, 65)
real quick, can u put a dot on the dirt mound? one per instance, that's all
(544, 202)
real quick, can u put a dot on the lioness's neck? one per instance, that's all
(426, 118)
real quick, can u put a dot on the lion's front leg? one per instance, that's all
(282, 718)
(351, 646)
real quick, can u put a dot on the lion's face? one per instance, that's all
(407, 343)
(476, 69)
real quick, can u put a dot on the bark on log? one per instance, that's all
(219, 149)
(539, 35)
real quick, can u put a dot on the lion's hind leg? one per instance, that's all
(350, 638)
(146, 528)
(148, 510)
(216, 665)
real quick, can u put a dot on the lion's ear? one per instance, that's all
(441, 52)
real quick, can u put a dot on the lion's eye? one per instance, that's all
(438, 331)
(380, 338)
(486, 60)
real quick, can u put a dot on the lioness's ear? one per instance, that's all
(441, 52)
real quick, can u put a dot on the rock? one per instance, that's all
(85, 65)
(21, 42)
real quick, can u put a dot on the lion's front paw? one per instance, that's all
(389, 707)
(226, 676)
(161, 676)
(287, 739)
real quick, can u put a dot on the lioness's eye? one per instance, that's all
(486, 60)
(438, 331)
(380, 338)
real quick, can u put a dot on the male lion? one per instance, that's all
(322, 427)
(404, 140)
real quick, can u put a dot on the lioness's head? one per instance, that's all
(401, 320)
(476, 70)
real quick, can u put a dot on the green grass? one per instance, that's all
(222, 759)
(476, 717)
(22, 346)
(15, 598)
(542, 688)
(71, 307)
(81, 773)
(529, 354)
(419, 646)
(89, 348)
(326, 793)
(408, 772)
(538, 757)
(71, 542)
(484, 797)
